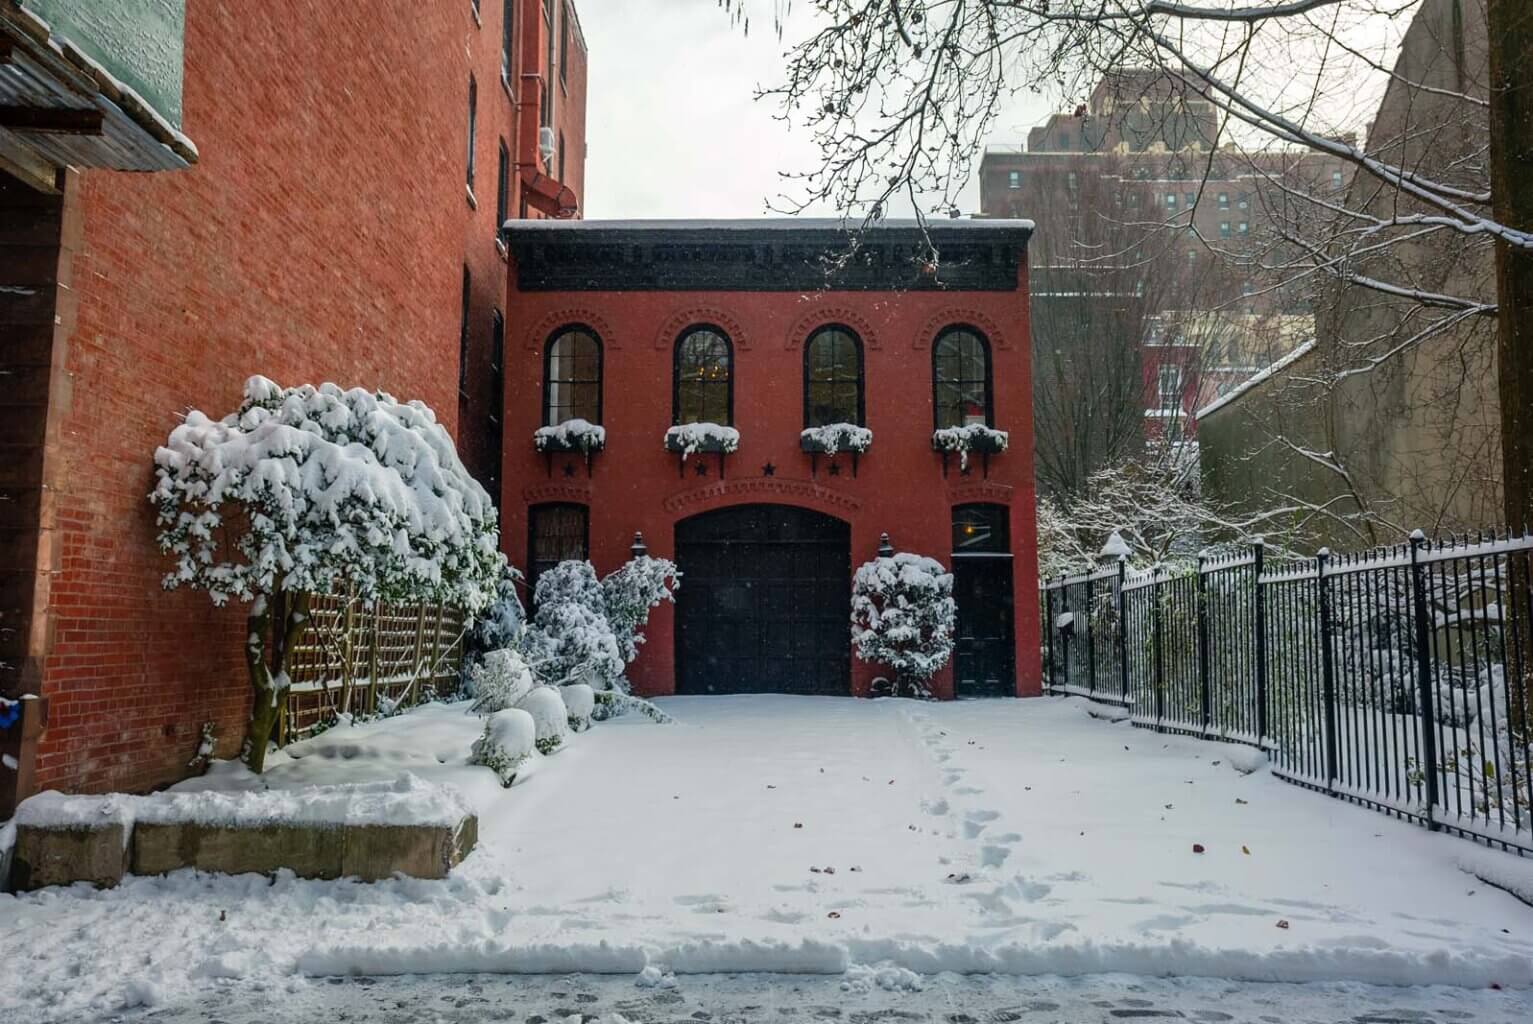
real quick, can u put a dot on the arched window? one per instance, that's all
(833, 377)
(961, 378)
(704, 377)
(572, 366)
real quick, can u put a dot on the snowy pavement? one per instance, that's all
(816, 836)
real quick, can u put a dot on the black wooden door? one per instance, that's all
(764, 602)
(983, 658)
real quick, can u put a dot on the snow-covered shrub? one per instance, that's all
(510, 736)
(903, 616)
(500, 681)
(308, 490)
(570, 639)
(690, 438)
(499, 627)
(552, 719)
(836, 437)
(976, 437)
(631, 593)
(612, 703)
(579, 703)
(575, 435)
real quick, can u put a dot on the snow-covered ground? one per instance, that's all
(807, 836)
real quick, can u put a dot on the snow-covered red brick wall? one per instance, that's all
(322, 236)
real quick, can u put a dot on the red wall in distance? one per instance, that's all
(899, 487)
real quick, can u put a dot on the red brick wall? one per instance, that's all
(900, 486)
(321, 237)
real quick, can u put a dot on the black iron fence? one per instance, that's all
(1399, 678)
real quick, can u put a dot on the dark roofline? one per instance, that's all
(780, 254)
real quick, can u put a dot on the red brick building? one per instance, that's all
(340, 221)
(638, 326)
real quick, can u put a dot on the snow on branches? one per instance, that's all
(575, 435)
(903, 615)
(313, 488)
(631, 593)
(571, 640)
(691, 438)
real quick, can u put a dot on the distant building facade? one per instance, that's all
(1136, 174)
(330, 182)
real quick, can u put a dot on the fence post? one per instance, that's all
(1048, 636)
(1160, 675)
(1327, 666)
(1091, 640)
(1425, 701)
(1123, 626)
(1261, 646)
(1205, 696)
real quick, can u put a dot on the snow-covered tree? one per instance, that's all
(501, 624)
(308, 490)
(903, 616)
(631, 593)
(570, 639)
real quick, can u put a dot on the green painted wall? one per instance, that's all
(139, 41)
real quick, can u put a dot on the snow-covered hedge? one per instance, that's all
(571, 640)
(903, 616)
(500, 681)
(631, 593)
(579, 703)
(549, 715)
(510, 736)
(575, 435)
(308, 490)
(836, 437)
(976, 437)
(690, 438)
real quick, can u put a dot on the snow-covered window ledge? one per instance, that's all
(832, 439)
(976, 438)
(575, 437)
(688, 439)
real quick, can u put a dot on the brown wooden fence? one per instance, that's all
(359, 658)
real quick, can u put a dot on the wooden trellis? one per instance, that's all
(361, 658)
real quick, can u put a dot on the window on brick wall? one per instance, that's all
(473, 125)
(1170, 387)
(561, 156)
(468, 285)
(497, 402)
(502, 188)
(1013, 179)
(507, 34)
(564, 48)
(547, 112)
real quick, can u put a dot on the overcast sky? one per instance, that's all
(673, 128)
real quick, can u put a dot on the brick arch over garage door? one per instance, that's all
(765, 601)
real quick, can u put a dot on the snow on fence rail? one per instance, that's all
(360, 658)
(1400, 678)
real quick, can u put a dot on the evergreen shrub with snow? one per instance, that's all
(976, 437)
(313, 490)
(500, 626)
(575, 435)
(631, 593)
(836, 437)
(691, 438)
(510, 736)
(570, 639)
(579, 704)
(903, 615)
(549, 715)
(500, 681)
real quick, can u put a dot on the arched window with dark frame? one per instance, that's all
(961, 378)
(572, 376)
(557, 532)
(703, 381)
(833, 377)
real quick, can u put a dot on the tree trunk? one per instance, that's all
(268, 672)
(1510, 24)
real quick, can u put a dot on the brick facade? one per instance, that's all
(322, 236)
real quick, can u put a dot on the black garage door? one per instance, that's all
(764, 602)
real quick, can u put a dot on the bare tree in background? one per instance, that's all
(899, 95)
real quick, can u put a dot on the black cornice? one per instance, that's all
(779, 256)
